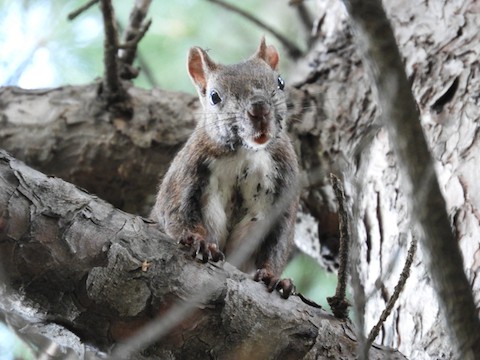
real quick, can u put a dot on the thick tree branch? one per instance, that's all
(428, 208)
(52, 230)
(75, 138)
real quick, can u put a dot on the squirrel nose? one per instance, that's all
(258, 110)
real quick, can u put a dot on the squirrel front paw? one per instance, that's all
(208, 251)
(284, 286)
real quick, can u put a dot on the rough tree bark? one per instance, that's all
(427, 208)
(103, 274)
(442, 81)
(65, 132)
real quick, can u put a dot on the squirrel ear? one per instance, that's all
(268, 54)
(199, 65)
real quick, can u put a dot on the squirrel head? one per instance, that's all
(244, 104)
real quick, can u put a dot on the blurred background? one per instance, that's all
(41, 48)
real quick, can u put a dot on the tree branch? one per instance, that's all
(112, 91)
(428, 208)
(396, 293)
(81, 9)
(51, 230)
(133, 33)
(293, 50)
(339, 303)
(129, 71)
(77, 139)
(135, 30)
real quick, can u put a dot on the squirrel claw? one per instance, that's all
(190, 239)
(215, 253)
(284, 286)
(200, 246)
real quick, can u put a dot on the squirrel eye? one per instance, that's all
(280, 83)
(214, 97)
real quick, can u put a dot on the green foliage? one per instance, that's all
(310, 279)
(41, 48)
(11, 347)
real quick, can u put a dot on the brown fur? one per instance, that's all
(243, 132)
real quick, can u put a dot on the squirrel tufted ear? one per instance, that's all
(199, 65)
(268, 54)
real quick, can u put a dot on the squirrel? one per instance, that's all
(232, 191)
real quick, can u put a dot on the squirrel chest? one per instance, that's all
(239, 194)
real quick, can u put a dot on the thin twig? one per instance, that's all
(142, 64)
(80, 10)
(112, 86)
(135, 30)
(396, 292)
(338, 303)
(292, 49)
(133, 42)
(428, 208)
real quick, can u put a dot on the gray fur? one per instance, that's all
(235, 180)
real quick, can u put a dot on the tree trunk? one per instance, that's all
(440, 48)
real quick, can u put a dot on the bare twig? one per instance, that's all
(428, 208)
(113, 90)
(135, 30)
(292, 49)
(141, 61)
(127, 54)
(80, 10)
(338, 303)
(133, 42)
(396, 292)
(128, 51)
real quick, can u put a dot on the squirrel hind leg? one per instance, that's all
(284, 286)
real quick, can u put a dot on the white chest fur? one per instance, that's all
(241, 184)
